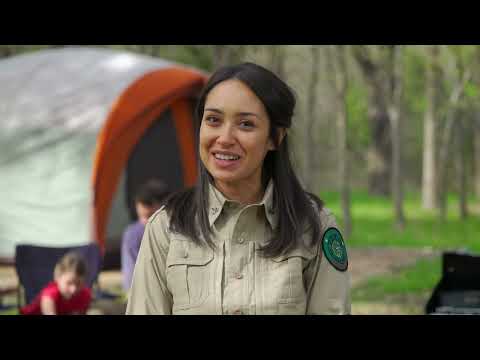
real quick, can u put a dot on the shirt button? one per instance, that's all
(239, 276)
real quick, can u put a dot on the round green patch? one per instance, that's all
(334, 249)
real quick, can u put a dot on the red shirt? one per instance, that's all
(78, 303)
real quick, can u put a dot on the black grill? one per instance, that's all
(458, 291)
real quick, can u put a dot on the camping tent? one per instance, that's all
(80, 129)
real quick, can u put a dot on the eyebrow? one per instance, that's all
(237, 114)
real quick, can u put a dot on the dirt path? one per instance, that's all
(367, 262)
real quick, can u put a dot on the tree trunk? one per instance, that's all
(380, 151)
(341, 86)
(310, 121)
(429, 175)
(462, 168)
(396, 131)
(445, 148)
(476, 129)
(476, 142)
(444, 158)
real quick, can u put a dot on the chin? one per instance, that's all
(222, 177)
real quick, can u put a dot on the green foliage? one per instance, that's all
(195, 55)
(419, 278)
(471, 91)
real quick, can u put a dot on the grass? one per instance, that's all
(373, 223)
(418, 279)
(11, 311)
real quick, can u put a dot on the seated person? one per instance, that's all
(149, 198)
(67, 294)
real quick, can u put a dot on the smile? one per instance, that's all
(226, 157)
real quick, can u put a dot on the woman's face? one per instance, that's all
(234, 135)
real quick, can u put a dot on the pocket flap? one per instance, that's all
(184, 252)
(302, 252)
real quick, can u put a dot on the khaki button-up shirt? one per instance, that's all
(175, 276)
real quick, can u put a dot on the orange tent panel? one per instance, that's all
(136, 109)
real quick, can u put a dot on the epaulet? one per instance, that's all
(155, 214)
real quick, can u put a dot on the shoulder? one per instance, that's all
(159, 217)
(157, 232)
(324, 214)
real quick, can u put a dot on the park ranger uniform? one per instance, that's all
(175, 276)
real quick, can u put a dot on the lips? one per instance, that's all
(222, 155)
(226, 157)
(225, 160)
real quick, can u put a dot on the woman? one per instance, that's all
(247, 239)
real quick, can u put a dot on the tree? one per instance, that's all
(461, 145)
(461, 76)
(395, 115)
(310, 119)
(380, 150)
(476, 124)
(429, 173)
(341, 86)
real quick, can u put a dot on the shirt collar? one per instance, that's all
(217, 201)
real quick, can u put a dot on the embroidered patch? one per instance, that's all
(334, 249)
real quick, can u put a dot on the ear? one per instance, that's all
(281, 132)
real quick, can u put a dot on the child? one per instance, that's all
(67, 294)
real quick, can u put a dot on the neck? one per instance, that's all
(245, 194)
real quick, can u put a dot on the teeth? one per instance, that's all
(227, 157)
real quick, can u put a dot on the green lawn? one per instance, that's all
(373, 223)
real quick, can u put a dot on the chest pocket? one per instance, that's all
(287, 275)
(189, 273)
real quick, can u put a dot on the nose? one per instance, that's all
(226, 136)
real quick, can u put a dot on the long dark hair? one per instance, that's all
(188, 209)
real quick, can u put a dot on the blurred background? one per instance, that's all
(387, 135)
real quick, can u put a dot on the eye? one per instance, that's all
(247, 124)
(211, 120)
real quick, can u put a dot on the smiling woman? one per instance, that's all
(247, 238)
